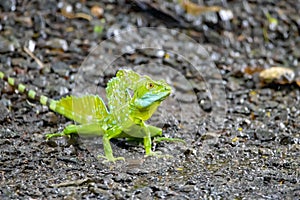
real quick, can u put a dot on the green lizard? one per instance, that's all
(132, 100)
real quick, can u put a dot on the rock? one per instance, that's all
(57, 43)
(6, 45)
(61, 68)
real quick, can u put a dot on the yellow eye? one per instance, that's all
(150, 85)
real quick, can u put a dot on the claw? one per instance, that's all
(51, 135)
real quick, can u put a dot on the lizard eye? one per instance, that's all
(150, 85)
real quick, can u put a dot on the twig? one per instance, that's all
(38, 61)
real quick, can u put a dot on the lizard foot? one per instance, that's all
(110, 159)
(51, 135)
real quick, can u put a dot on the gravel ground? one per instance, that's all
(241, 125)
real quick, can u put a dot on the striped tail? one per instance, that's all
(29, 93)
(85, 109)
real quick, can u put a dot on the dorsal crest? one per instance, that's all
(118, 90)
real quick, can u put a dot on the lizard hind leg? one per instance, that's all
(84, 130)
(69, 130)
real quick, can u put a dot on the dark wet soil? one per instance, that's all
(242, 134)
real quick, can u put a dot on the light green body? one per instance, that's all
(132, 100)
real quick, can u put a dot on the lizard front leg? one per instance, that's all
(111, 133)
(157, 134)
(152, 131)
(148, 141)
(93, 129)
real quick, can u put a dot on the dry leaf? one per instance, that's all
(281, 75)
(195, 9)
(97, 11)
(252, 70)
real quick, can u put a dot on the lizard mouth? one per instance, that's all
(160, 96)
(148, 99)
(164, 95)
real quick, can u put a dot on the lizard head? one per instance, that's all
(148, 94)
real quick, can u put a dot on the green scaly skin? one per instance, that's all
(126, 116)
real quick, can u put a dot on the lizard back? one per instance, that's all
(118, 93)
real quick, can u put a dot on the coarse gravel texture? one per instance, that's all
(242, 135)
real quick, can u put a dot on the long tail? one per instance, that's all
(30, 93)
(85, 109)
